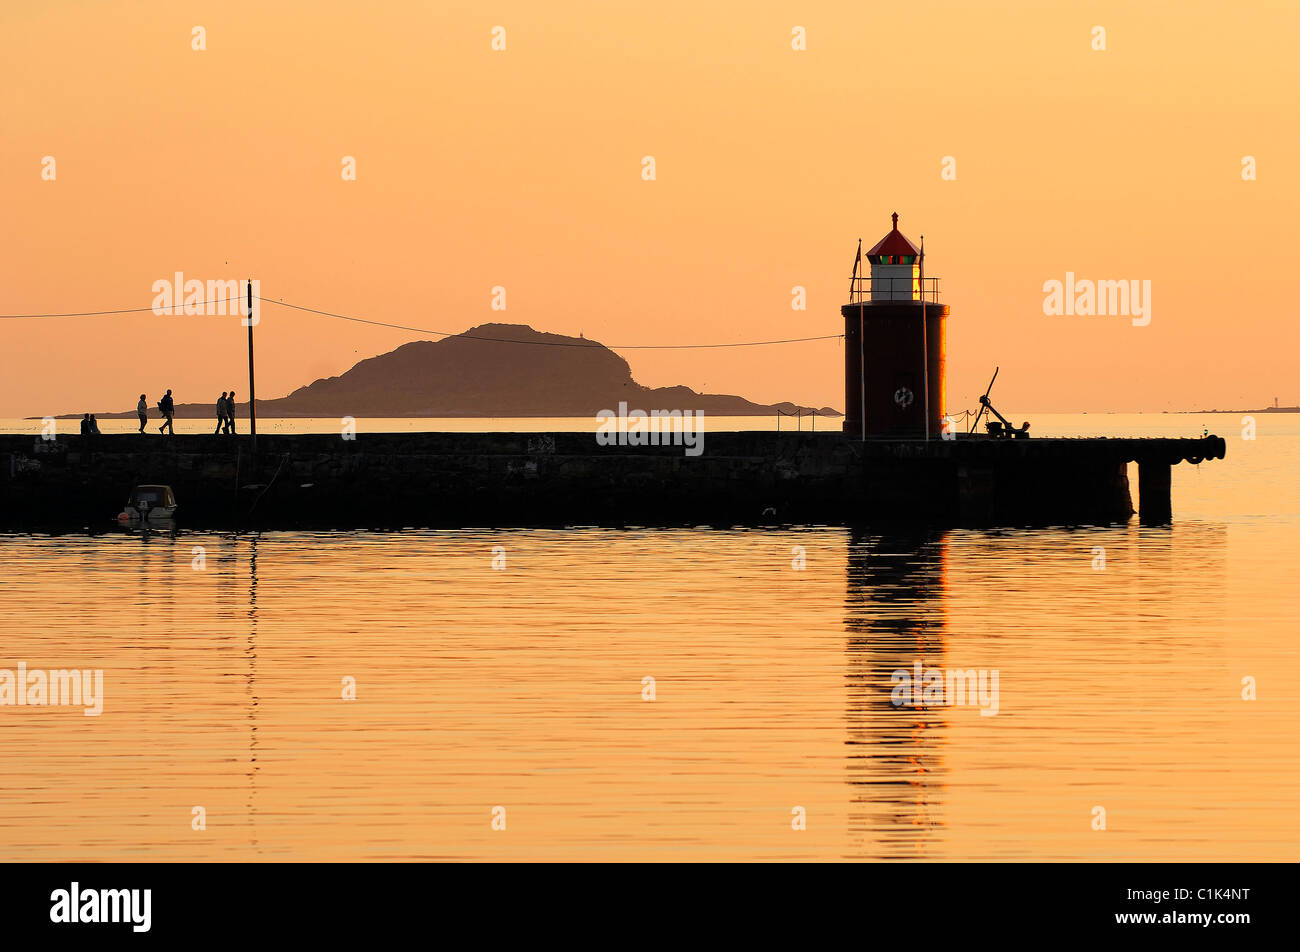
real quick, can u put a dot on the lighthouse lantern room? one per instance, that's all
(895, 268)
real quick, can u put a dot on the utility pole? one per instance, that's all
(252, 386)
(925, 346)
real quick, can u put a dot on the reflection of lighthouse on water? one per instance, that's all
(894, 617)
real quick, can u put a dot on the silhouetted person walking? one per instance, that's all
(230, 413)
(142, 411)
(167, 408)
(221, 413)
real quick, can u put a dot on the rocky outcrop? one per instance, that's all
(493, 370)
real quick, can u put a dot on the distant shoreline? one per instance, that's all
(1264, 410)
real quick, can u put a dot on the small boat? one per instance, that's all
(149, 504)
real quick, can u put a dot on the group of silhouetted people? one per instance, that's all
(167, 407)
(226, 413)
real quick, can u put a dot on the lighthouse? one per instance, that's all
(893, 344)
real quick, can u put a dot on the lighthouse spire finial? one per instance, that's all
(895, 221)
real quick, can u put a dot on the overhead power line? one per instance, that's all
(545, 343)
(125, 310)
(428, 330)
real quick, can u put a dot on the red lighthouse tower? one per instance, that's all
(894, 344)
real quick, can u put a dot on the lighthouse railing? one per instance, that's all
(864, 289)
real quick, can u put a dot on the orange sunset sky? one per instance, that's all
(522, 168)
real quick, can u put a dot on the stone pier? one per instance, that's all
(551, 479)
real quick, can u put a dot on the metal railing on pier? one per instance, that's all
(798, 418)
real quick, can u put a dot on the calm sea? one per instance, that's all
(672, 694)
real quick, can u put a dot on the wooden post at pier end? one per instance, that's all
(1154, 505)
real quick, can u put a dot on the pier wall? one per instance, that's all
(540, 479)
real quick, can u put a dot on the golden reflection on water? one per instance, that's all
(522, 688)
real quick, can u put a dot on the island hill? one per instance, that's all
(493, 370)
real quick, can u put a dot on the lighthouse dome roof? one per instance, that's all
(895, 243)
